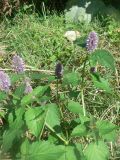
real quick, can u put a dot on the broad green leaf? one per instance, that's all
(37, 92)
(71, 79)
(102, 84)
(53, 139)
(83, 118)
(53, 115)
(74, 94)
(97, 151)
(3, 96)
(106, 129)
(2, 113)
(24, 149)
(35, 118)
(19, 90)
(111, 136)
(75, 107)
(104, 58)
(73, 152)
(14, 131)
(19, 112)
(10, 136)
(43, 151)
(80, 130)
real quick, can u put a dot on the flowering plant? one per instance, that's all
(35, 109)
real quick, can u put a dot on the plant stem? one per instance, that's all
(82, 90)
(83, 102)
(30, 69)
(83, 70)
(57, 92)
(61, 138)
(57, 96)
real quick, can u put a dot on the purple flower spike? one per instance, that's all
(18, 64)
(59, 70)
(4, 81)
(28, 87)
(92, 41)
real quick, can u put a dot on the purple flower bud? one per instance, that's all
(18, 64)
(59, 70)
(93, 70)
(4, 81)
(28, 87)
(92, 41)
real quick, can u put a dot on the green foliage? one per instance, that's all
(35, 118)
(38, 45)
(104, 58)
(106, 130)
(71, 79)
(40, 150)
(14, 131)
(64, 118)
(75, 107)
(72, 152)
(113, 31)
(53, 115)
(37, 92)
(2, 96)
(80, 130)
(97, 151)
(101, 83)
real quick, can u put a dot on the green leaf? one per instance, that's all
(35, 118)
(19, 90)
(80, 130)
(71, 79)
(14, 131)
(96, 151)
(83, 118)
(106, 129)
(42, 151)
(104, 58)
(37, 92)
(3, 96)
(111, 137)
(15, 77)
(102, 84)
(24, 149)
(53, 115)
(73, 152)
(2, 113)
(41, 76)
(75, 107)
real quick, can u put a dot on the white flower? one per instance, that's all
(72, 35)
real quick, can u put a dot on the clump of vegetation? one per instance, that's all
(59, 87)
(47, 114)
